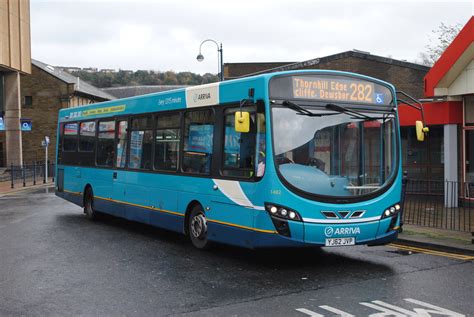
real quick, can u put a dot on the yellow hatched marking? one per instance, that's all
(432, 252)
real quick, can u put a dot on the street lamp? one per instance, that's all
(220, 60)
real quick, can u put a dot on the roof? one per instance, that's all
(453, 60)
(80, 86)
(325, 59)
(130, 91)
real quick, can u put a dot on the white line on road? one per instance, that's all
(433, 309)
(21, 219)
(336, 311)
(309, 312)
(386, 309)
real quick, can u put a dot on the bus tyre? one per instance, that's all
(89, 204)
(197, 228)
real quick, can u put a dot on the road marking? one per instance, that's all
(432, 252)
(383, 311)
(309, 312)
(21, 219)
(433, 309)
(336, 311)
(386, 309)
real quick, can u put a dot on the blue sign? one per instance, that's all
(25, 124)
(200, 138)
(2, 125)
(379, 98)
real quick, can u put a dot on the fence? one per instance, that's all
(32, 174)
(437, 204)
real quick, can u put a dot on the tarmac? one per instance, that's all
(413, 236)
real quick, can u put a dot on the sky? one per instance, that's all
(166, 35)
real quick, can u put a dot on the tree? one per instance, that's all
(443, 36)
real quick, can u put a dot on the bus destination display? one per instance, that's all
(338, 89)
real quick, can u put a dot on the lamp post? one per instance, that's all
(220, 60)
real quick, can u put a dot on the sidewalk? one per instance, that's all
(5, 187)
(436, 239)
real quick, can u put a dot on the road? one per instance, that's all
(53, 261)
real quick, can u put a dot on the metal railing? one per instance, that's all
(437, 204)
(31, 174)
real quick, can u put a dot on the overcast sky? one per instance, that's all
(165, 35)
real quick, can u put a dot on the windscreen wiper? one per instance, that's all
(301, 110)
(354, 113)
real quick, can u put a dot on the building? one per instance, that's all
(451, 83)
(15, 60)
(43, 93)
(404, 75)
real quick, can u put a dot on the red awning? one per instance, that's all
(436, 113)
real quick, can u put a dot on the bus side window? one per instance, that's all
(239, 148)
(198, 141)
(105, 143)
(141, 143)
(167, 142)
(70, 137)
(122, 141)
(87, 136)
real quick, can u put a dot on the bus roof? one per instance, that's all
(196, 96)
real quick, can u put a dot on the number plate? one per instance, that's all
(339, 242)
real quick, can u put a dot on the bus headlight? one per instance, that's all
(391, 211)
(282, 212)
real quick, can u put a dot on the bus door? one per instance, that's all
(243, 162)
(119, 174)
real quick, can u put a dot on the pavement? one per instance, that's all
(412, 236)
(5, 187)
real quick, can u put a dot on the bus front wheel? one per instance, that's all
(197, 228)
(89, 204)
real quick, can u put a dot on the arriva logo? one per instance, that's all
(329, 231)
(203, 96)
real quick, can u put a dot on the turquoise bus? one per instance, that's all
(298, 158)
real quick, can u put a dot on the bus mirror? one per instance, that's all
(242, 121)
(420, 131)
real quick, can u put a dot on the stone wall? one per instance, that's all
(47, 93)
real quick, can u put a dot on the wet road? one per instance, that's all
(53, 261)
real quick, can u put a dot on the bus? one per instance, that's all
(296, 158)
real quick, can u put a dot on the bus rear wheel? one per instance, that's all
(197, 228)
(89, 204)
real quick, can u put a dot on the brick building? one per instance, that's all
(43, 93)
(403, 75)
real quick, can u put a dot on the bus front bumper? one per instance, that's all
(371, 233)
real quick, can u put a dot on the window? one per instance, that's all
(141, 142)
(239, 158)
(105, 143)
(70, 137)
(198, 141)
(122, 144)
(87, 136)
(28, 101)
(167, 142)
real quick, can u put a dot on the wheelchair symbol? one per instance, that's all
(379, 98)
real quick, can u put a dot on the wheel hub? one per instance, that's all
(198, 226)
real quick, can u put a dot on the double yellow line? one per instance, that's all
(432, 252)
